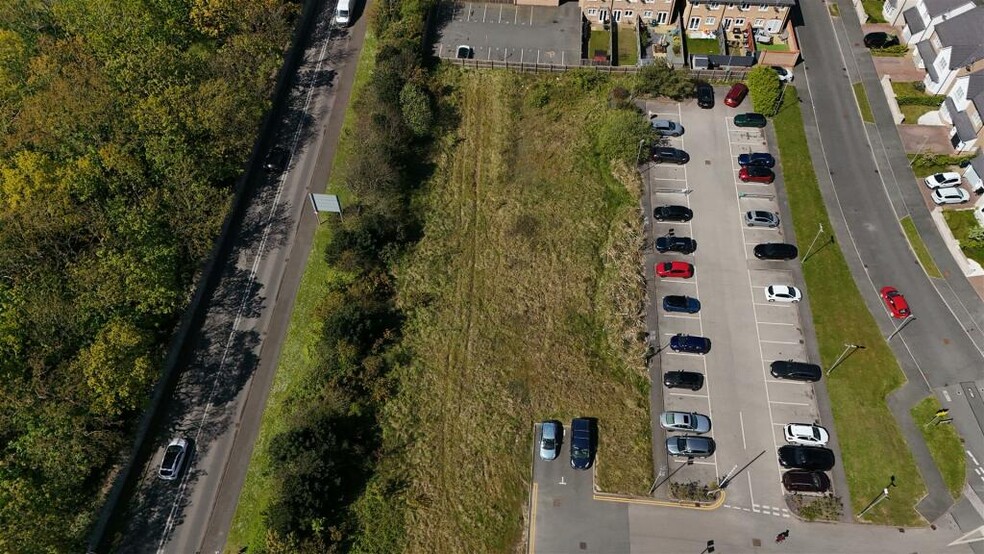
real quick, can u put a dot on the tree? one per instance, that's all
(765, 88)
(118, 368)
(416, 108)
(659, 79)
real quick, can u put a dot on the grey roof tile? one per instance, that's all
(913, 20)
(965, 129)
(928, 55)
(940, 7)
(965, 29)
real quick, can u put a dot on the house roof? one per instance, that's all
(752, 2)
(966, 54)
(913, 20)
(940, 7)
(961, 121)
(977, 162)
(928, 55)
(963, 30)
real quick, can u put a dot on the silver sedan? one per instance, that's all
(759, 218)
(685, 421)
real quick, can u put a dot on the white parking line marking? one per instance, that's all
(776, 323)
(688, 395)
(780, 342)
(682, 316)
(682, 353)
(741, 422)
(786, 403)
(698, 462)
(774, 304)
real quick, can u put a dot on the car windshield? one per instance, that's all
(939, 178)
(578, 452)
(548, 443)
(816, 433)
(170, 455)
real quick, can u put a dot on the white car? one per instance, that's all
(685, 421)
(806, 434)
(666, 127)
(784, 74)
(942, 180)
(950, 195)
(173, 460)
(782, 293)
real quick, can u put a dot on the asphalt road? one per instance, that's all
(867, 187)
(219, 397)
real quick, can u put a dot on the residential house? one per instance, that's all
(955, 48)
(628, 12)
(975, 178)
(704, 18)
(922, 18)
(962, 109)
(892, 11)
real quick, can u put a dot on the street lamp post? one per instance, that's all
(898, 329)
(656, 484)
(881, 496)
(848, 350)
(639, 152)
(809, 250)
(709, 549)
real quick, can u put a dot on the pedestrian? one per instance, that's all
(782, 536)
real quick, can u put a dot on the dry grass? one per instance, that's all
(523, 303)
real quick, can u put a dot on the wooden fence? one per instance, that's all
(714, 75)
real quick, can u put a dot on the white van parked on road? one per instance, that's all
(342, 12)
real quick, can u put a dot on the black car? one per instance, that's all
(673, 213)
(814, 458)
(683, 380)
(681, 304)
(276, 160)
(750, 119)
(757, 159)
(691, 344)
(582, 443)
(775, 251)
(670, 243)
(880, 40)
(798, 480)
(705, 96)
(660, 154)
(795, 371)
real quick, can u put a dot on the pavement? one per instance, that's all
(220, 395)
(867, 185)
(925, 139)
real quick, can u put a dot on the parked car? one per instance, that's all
(736, 95)
(806, 457)
(750, 119)
(942, 180)
(950, 195)
(782, 293)
(759, 218)
(672, 243)
(673, 213)
(795, 371)
(582, 443)
(775, 251)
(705, 96)
(755, 174)
(682, 270)
(757, 159)
(784, 74)
(683, 380)
(807, 434)
(660, 154)
(464, 52)
(681, 304)
(276, 160)
(551, 432)
(895, 303)
(690, 446)
(691, 344)
(174, 459)
(800, 481)
(666, 127)
(691, 422)
(880, 40)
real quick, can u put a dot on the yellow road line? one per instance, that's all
(653, 502)
(532, 537)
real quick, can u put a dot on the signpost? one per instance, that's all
(325, 203)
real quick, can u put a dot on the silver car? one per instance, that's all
(666, 127)
(684, 421)
(759, 218)
(550, 433)
(173, 460)
(689, 446)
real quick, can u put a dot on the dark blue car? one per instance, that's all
(681, 304)
(582, 443)
(692, 344)
(757, 159)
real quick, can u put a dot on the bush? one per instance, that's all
(659, 79)
(415, 104)
(765, 88)
(897, 50)
(619, 136)
(927, 100)
(692, 490)
(825, 508)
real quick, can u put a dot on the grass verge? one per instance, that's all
(919, 247)
(298, 358)
(863, 104)
(628, 47)
(834, 9)
(962, 223)
(874, 10)
(912, 112)
(702, 46)
(944, 445)
(872, 447)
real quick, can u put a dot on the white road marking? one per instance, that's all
(741, 422)
(785, 404)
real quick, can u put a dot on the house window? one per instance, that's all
(661, 17)
(758, 23)
(941, 65)
(714, 5)
(975, 118)
(744, 6)
(592, 11)
(763, 8)
(726, 23)
(647, 14)
(739, 22)
(958, 94)
(710, 21)
(935, 41)
(694, 23)
(628, 13)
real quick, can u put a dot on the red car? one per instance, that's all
(682, 270)
(756, 174)
(895, 302)
(736, 95)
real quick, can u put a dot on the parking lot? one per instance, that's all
(506, 32)
(747, 406)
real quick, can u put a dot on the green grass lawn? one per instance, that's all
(599, 40)
(628, 46)
(913, 112)
(961, 223)
(908, 88)
(944, 445)
(863, 104)
(298, 358)
(775, 47)
(702, 46)
(922, 253)
(926, 164)
(874, 10)
(872, 448)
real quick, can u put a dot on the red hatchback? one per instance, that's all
(756, 174)
(895, 303)
(682, 270)
(736, 95)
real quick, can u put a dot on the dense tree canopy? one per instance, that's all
(123, 125)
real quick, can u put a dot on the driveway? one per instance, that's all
(928, 139)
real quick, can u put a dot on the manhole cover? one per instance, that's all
(707, 162)
(556, 502)
(583, 545)
(756, 542)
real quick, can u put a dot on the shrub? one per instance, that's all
(659, 79)
(692, 490)
(765, 88)
(415, 104)
(897, 50)
(925, 100)
(619, 136)
(826, 508)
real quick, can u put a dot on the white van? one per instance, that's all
(342, 12)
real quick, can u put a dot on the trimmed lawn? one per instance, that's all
(628, 47)
(919, 247)
(944, 445)
(874, 10)
(599, 40)
(872, 448)
(299, 357)
(907, 88)
(702, 46)
(913, 112)
(863, 104)
(962, 222)
(777, 47)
